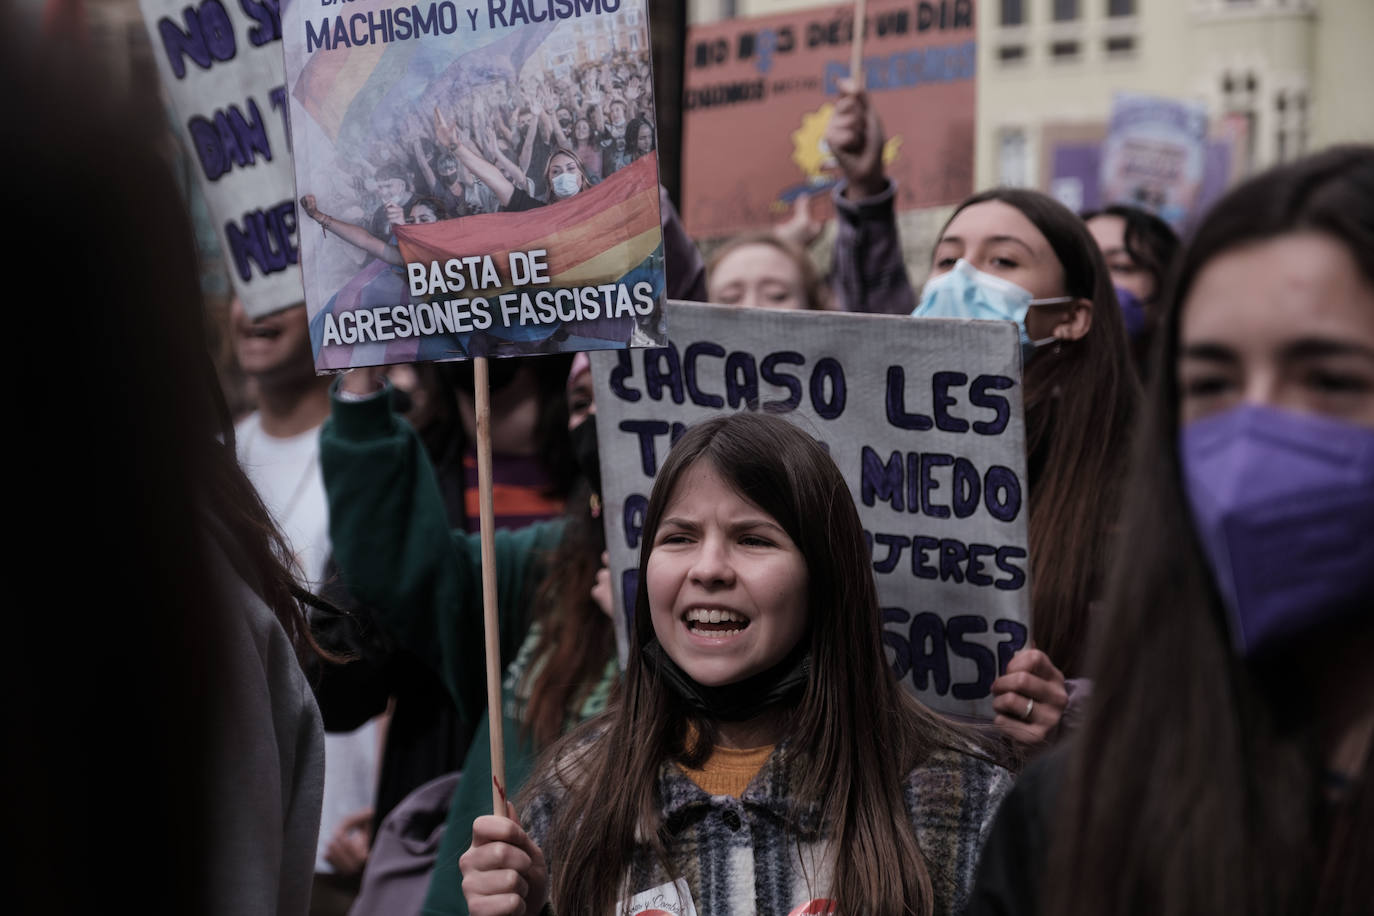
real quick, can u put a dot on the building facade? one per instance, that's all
(1280, 77)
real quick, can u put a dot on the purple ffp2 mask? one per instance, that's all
(1132, 312)
(1283, 503)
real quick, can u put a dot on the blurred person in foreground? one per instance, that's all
(1226, 764)
(158, 677)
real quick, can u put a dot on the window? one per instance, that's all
(1011, 53)
(1120, 45)
(1013, 12)
(1117, 8)
(1064, 50)
(1065, 10)
(1290, 115)
(1239, 101)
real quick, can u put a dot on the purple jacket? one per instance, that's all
(685, 268)
(867, 273)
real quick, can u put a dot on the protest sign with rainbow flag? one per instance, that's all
(457, 215)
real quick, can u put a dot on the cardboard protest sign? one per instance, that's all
(221, 63)
(759, 93)
(1155, 155)
(452, 205)
(924, 419)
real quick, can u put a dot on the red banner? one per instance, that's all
(759, 93)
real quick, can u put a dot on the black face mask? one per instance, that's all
(742, 700)
(583, 437)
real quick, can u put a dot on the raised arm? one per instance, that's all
(527, 150)
(418, 150)
(395, 550)
(354, 235)
(867, 273)
(489, 174)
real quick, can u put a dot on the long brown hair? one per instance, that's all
(858, 734)
(1192, 788)
(576, 639)
(1080, 399)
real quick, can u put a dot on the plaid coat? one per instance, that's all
(738, 856)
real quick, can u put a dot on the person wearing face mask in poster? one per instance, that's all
(1140, 250)
(449, 190)
(1018, 255)
(563, 174)
(395, 549)
(394, 188)
(1227, 761)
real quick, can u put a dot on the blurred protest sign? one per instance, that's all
(760, 92)
(1155, 155)
(923, 418)
(440, 223)
(1070, 157)
(221, 63)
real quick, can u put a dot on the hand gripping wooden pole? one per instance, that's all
(490, 625)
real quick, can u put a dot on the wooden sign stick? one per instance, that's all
(856, 52)
(491, 626)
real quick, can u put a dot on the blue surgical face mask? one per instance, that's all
(967, 292)
(566, 184)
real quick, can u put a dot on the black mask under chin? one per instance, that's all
(583, 437)
(742, 700)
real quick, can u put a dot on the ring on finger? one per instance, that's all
(1030, 705)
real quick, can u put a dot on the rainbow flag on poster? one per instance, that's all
(444, 210)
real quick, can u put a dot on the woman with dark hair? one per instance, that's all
(588, 148)
(761, 756)
(639, 138)
(1225, 764)
(762, 270)
(1018, 255)
(1140, 250)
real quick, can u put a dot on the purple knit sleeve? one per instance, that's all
(867, 273)
(1080, 690)
(686, 270)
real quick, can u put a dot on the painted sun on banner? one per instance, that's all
(474, 180)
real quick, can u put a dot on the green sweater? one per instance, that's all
(394, 548)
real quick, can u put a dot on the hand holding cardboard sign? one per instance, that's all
(855, 137)
(1030, 698)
